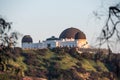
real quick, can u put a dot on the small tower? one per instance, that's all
(26, 41)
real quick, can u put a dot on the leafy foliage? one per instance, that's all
(53, 65)
(50, 64)
(7, 38)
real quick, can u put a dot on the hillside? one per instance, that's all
(58, 64)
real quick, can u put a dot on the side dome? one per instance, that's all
(80, 35)
(69, 33)
(27, 39)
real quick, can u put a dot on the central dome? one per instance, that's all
(71, 33)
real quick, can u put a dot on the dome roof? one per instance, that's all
(71, 32)
(27, 39)
(52, 38)
(80, 35)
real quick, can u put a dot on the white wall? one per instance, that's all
(52, 44)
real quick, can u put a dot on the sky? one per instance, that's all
(45, 18)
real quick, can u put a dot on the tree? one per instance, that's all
(109, 31)
(7, 42)
(7, 37)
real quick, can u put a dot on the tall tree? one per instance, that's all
(7, 42)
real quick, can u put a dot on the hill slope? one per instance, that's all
(59, 64)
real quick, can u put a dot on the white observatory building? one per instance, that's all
(70, 37)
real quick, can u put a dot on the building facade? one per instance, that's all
(71, 37)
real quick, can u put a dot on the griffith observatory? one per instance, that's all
(70, 37)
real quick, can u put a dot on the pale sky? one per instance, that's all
(45, 18)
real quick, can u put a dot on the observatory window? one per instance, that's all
(48, 45)
(72, 45)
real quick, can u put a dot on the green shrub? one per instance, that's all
(4, 77)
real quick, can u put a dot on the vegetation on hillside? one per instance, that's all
(59, 64)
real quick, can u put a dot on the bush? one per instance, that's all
(4, 77)
(87, 55)
(41, 52)
(75, 54)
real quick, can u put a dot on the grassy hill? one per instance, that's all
(58, 64)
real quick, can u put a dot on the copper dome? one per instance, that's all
(80, 35)
(71, 32)
(27, 39)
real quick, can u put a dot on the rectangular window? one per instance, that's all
(48, 45)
